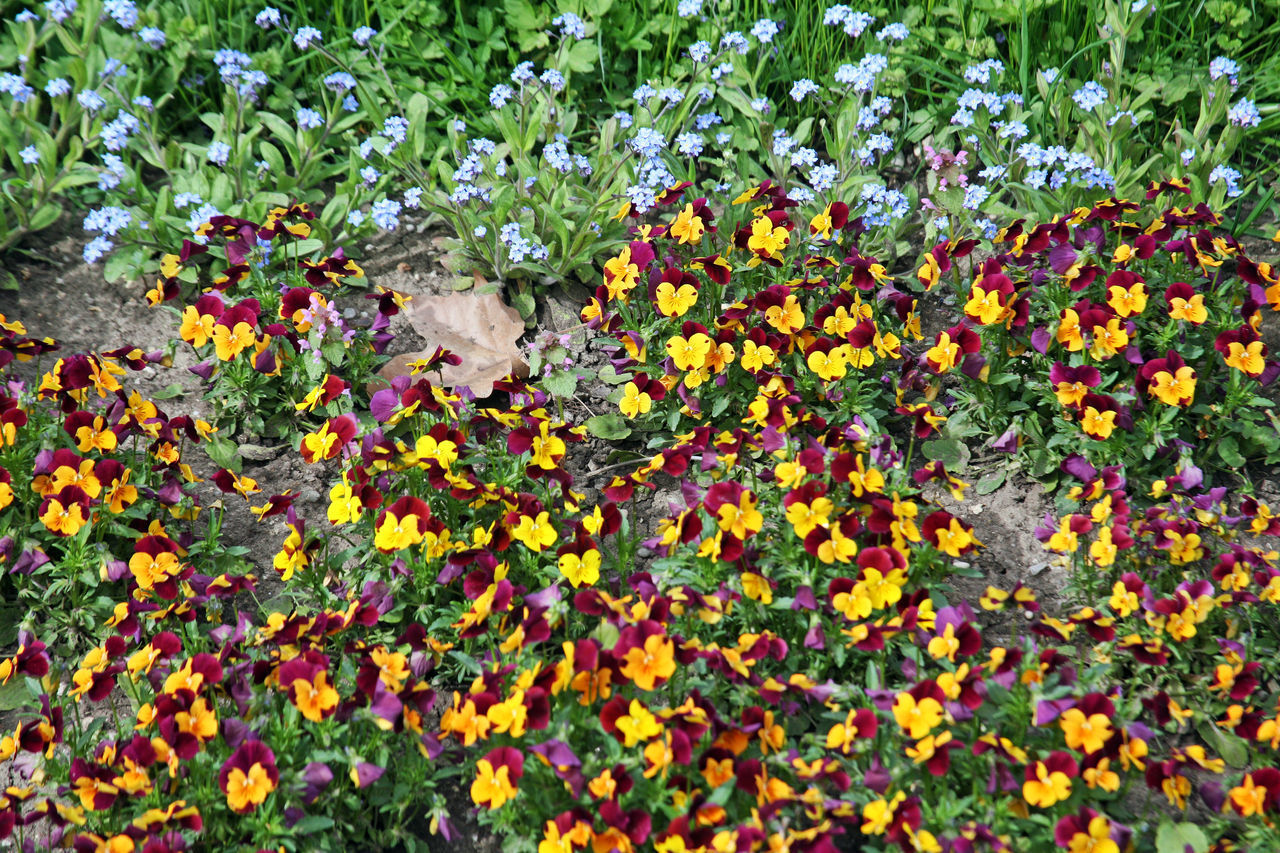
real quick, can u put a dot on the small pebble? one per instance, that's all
(961, 564)
(308, 496)
(349, 314)
(1036, 568)
(643, 552)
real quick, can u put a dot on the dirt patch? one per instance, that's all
(62, 297)
(1004, 522)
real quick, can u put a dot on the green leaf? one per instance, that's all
(349, 121)
(122, 265)
(1230, 747)
(282, 131)
(560, 227)
(469, 663)
(610, 427)
(14, 695)
(75, 178)
(334, 352)
(611, 376)
(738, 100)
(803, 130)
(990, 483)
(951, 452)
(1229, 450)
(522, 16)
(306, 247)
(1180, 838)
(222, 194)
(582, 56)
(223, 453)
(216, 122)
(273, 158)
(45, 216)
(560, 383)
(169, 392)
(524, 303)
(335, 211)
(312, 824)
(417, 110)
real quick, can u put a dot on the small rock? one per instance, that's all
(349, 314)
(309, 496)
(643, 552)
(961, 564)
(1036, 568)
(258, 453)
(368, 247)
(976, 509)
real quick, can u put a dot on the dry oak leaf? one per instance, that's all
(479, 328)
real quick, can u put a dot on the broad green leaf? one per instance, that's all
(1230, 747)
(951, 452)
(222, 194)
(307, 246)
(1229, 450)
(1180, 838)
(560, 383)
(803, 130)
(214, 121)
(169, 392)
(582, 57)
(521, 15)
(561, 228)
(610, 427)
(123, 264)
(45, 216)
(611, 376)
(14, 695)
(335, 211)
(524, 303)
(737, 99)
(284, 133)
(223, 453)
(274, 159)
(347, 122)
(990, 483)
(469, 663)
(312, 824)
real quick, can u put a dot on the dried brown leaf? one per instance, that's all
(478, 327)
